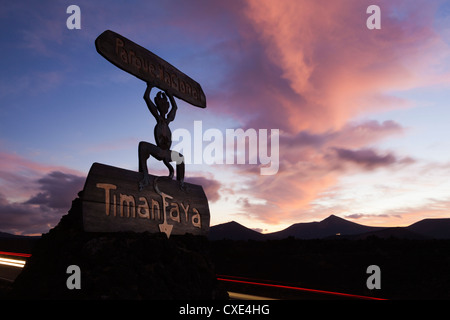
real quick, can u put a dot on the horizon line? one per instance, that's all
(315, 221)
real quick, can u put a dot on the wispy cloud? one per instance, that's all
(369, 158)
(356, 216)
(57, 190)
(407, 215)
(34, 196)
(210, 186)
(42, 211)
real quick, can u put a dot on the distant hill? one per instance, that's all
(5, 235)
(385, 233)
(433, 228)
(335, 227)
(233, 231)
(15, 243)
(328, 227)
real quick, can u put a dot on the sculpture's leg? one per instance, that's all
(142, 157)
(179, 159)
(169, 166)
(145, 150)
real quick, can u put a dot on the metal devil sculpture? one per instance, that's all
(116, 199)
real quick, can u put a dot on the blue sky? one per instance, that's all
(362, 113)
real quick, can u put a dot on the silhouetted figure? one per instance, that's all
(163, 138)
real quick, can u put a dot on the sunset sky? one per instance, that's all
(363, 115)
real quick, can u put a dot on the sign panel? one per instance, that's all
(112, 202)
(148, 67)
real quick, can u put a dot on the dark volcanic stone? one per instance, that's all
(123, 265)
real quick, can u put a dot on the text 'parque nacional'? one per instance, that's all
(148, 67)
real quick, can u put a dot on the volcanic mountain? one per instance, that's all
(330, 226)
(333, 227)
(433, 228)
(233, 231)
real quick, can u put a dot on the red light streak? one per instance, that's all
(301, 289)
(26, 255)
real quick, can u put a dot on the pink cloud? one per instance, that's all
(210, 186)
(310, 69)
(407, 215)
(310, 164)
(309, 66)
(352, 135)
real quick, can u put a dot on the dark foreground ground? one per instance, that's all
(410, 269)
